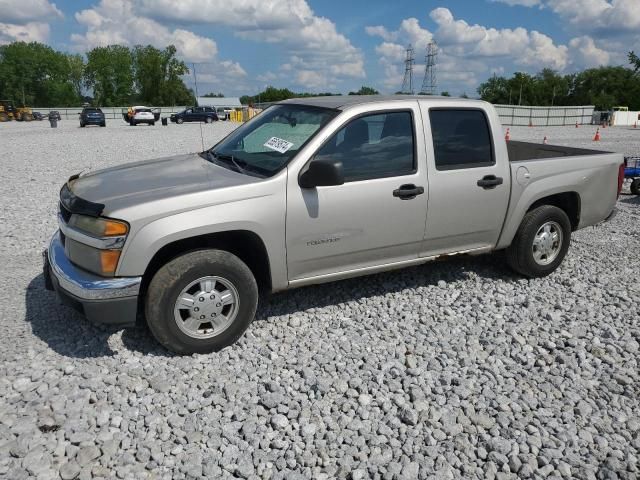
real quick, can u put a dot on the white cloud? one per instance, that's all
(21, 12)
(382, 32)
(115, 21)
(466, 52)
(29, 32)
(585, 53)
(523, 47)
(311, 42)
(26, 20)
(591, 15)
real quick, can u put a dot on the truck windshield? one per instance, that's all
(267, 143)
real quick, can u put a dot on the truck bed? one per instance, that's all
(523, 151)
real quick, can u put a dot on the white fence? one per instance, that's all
(544, 116)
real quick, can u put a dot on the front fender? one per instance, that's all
(263, 216)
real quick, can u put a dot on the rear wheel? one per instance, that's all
(201, 301)
(541, 242)
(635, 186)
(152, 123)
(103, 124)
(81, 125)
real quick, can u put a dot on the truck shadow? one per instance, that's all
(69, 334)
(631, 200)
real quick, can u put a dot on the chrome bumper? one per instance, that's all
(85, 285)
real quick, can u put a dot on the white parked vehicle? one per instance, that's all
(140, 114)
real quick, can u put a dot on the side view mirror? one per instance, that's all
(322, 173)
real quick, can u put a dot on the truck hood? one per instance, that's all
(151, 180)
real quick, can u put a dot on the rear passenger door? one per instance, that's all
(469, 188)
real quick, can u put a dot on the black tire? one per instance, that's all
(208, 120)
(168, 283)
(133, 123)
(520, 253)
(103, 124)
(82, 125)
(179, 121)
(152, 123)
(635, 186)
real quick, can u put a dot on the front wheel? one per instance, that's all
(152, 123)
(541, 242)
(635, 186)
(201, 301)
(208, 120)
(179, 120)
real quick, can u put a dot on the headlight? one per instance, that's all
(98, 227)
(97, 244)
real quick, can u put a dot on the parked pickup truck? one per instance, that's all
(309, 191)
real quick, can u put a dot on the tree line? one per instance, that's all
(37, 75)
(604, 87)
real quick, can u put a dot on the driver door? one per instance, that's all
(368, 221)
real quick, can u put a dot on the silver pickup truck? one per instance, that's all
(309, 191)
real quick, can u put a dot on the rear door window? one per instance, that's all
(461, 139)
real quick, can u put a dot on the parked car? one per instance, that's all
(314, 190)
(195, 114)
(38, 116)
(223, 113)
(54, 114)
(140, 114)
(92, 116)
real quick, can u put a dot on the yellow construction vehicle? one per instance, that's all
(10, 112)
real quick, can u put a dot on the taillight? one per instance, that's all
(620, 178)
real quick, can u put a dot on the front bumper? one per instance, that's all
(102, 300)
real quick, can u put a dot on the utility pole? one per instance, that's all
(407, 82)
(429, 83)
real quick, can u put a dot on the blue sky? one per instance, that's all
(240, 46)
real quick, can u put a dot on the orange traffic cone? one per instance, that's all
(507, 137)
(635, 125)
(544, 140)
(596, 138)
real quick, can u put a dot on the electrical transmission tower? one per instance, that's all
(407, 83)
(429, 83)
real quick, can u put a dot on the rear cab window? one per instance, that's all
(461, 138)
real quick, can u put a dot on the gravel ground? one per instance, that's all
(449, 370)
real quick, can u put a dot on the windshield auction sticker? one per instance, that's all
(278, 144)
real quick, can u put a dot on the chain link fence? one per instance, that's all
(544, 116)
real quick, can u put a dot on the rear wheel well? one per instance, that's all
(246, 245)
(569, 202)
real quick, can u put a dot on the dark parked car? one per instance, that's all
(92, 116)
(195, 114)
(37, 116)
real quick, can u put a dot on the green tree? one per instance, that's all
(36, 75)
(365, 91)
(445, 94)
(158, 76)
(634, 60)
(75, 64)
(109, 72)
